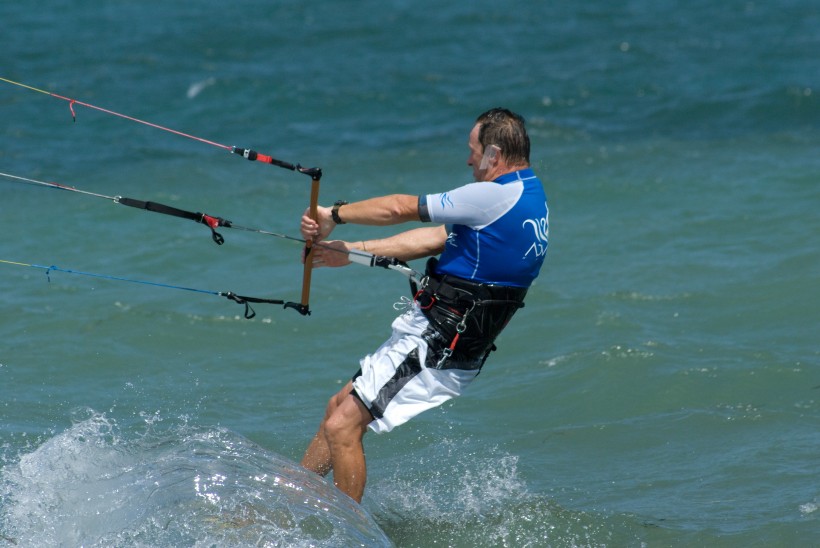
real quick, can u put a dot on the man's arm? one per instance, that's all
(408, 245)
(405, 246)
(381, 211)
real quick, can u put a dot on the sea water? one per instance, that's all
(660, 388)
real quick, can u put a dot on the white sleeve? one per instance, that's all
(475, 205)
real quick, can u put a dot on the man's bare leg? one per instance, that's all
(344, 432)
(317, 456)
(338, 444)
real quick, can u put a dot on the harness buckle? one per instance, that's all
(427, 305)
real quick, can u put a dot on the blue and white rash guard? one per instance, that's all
(497, 231)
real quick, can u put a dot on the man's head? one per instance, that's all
(499, 139)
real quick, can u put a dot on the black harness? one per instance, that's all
(467, 316)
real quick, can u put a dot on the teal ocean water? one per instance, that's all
(660, 388)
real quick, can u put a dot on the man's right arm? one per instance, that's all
(382, 211)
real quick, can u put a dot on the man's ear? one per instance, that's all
(490, 158)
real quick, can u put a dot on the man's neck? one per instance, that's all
(503, 169)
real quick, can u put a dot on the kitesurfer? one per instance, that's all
(491, 236)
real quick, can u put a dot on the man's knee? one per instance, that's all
(348, 423)
(336, 400)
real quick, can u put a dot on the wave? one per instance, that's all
(92, 485)
(458, 497)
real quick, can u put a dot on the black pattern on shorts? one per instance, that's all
(408, 369)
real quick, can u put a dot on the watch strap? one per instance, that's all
(334, 211)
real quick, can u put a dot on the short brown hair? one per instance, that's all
(506, 130)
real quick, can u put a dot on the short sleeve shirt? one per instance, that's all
(498, 231)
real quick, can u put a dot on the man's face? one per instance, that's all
(476, 153)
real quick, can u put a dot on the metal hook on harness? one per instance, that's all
(461, 327)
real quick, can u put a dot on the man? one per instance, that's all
(492, 242)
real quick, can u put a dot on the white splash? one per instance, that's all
(94, 485)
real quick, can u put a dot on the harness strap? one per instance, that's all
(447, 299)
(447, 293)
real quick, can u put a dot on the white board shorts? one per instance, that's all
(395, 382)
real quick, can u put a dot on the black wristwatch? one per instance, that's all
(334, 212)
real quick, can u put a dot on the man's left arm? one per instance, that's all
(405, 246)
